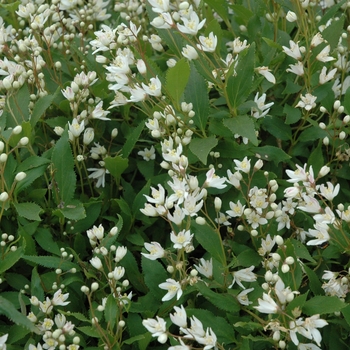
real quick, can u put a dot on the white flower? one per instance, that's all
(159, 6)
(191, 25)
(155, 326)
(173, 287)
(293, 51)
(155, 251)
(208, 43)
(310, 205)
(267, 305)
(189, 52)
(307, 102)
(99, 113)
(214, 181)
(75, 128)
(205, 267)
(291, 16)
(237, 45)
(118, 272)
(96, 263)
(242, 297)
(148, 154)
(154, 87)
(120, 253)
(60, 299)
(182, 239)
(163, 21)
(297, 68)
(317, 40)
(179, 318)
(245, 275)
(237, 209)
(262, 108)
(3, 340)
(99, 174)
(243, 165)
(323, 55)
(324, 77)
(209, 339)
(311, 324)
(265, 71)
(330, 191)
(320, 233)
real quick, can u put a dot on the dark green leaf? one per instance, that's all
(323, 305)
(209, 240)
(312, 133)
(220, 7)
(271, 153)
(332, 32)
(51, 262)
(40, 107)
(293, 114)
(44, 238)
(116, 166)
(278, 128)
(202, 147)
(243, 126)
(111, 311)
(73, 211)
(130, 142)
(10, 259)
(63, 169)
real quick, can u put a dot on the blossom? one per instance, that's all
(3, 340)
(191, 25)
(182, 239)
(120, 253)
(323, 55)
(320, 233)
(267, 305)
(96, 263)
(311, 324)
(159, 6)
(99, 174)
(208, 43)
(155, 326)
(237, 209)
(179, 317)
(317, 40)
(291, 16)
(214, 181)
(163, 21)
(99, 113)
(310, 205)
(173, 287)
(243, 165)
(324, 77)
(245, 275)
(60, 299)
(262, 109)
(265, 71)
(189, 52)
(209, 339)
(148, 154)
(154, 87)
(242, 297)
(293, 51)
(237, 45)
(330, 191)
(307, 102)
(205, 267)
(76, 128)
(297, 68)
(195, 331)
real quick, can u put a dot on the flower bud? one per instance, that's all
(291, 16)
(58, 130)
(324, 171)
(163, 338)
(24, 141)
(20, 176)
(17, 130)
(4, 197)
(2, 146)
(141, 66)
(89, 135)
(285, 268)
(279, 240)
(289, 260)
(200, 220)
(217, 203)
(326, 141)
(342, 135)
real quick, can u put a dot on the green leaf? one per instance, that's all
(220, 7)
(210, 241)
(89, 331)
(10, 259)
(196, 92)
(248, 258)
(154, 274)
(315, 284)
(271, 153)
(44, 238)
(323, 305)
(40, 107)
(272, 43)
(116, 166)
(301, 251)
(346, 314)
(346, 102)
(277, 127)
(7, 309)
(111, 311)
(332, 32)
(73, 211)
(202, 147)
(243, 126)
(51, 262)
(293, 115)
(78, 316)
(63, 168)
(36, 287)
(312, 133)
(131, 140)
(239, 85)
(29, 211)
(331, 12)
(223, 301)
(177, 79)
(32, 175)
(133, 339)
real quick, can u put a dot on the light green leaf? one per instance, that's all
(63, 169)
(210, 240)
(239, 85)
(202, 147)
(243, 126)
(177, 79)
(10, 259)
(116, 166)
(7, 309)
(89, 331)
(323, 305)
(196, 92)
(29, 211)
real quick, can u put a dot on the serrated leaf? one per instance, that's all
(220, 7)
(210, 241)
(19, 103)
(315, 284)
(44, 238)
(278, 128)
(63, 168)
(116, 166)
(133, 339)
(51, 262)
(32, 175)
(79, 316)
(272, 43)
(10, 259)
(239, 85)
(7, 309)
(323, 305)
(301, 251)
(243, 126)
(223, 301)
(73, 211)
(89, 331)
(312, 133)
(40, 107)
(332, 32)
(271, 153)
(111, 311)
(29, 211)
(202, 147)
(177, 79)
(131, 140)
(196, 92)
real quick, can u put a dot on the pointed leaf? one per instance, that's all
(28, 210)
(202, 147)
(51, 262)
(10, 259)
(116, 166)
(323, 305)
(40, 107)
(243, 126)
(131, 140)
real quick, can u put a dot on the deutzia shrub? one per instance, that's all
(174, 174)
